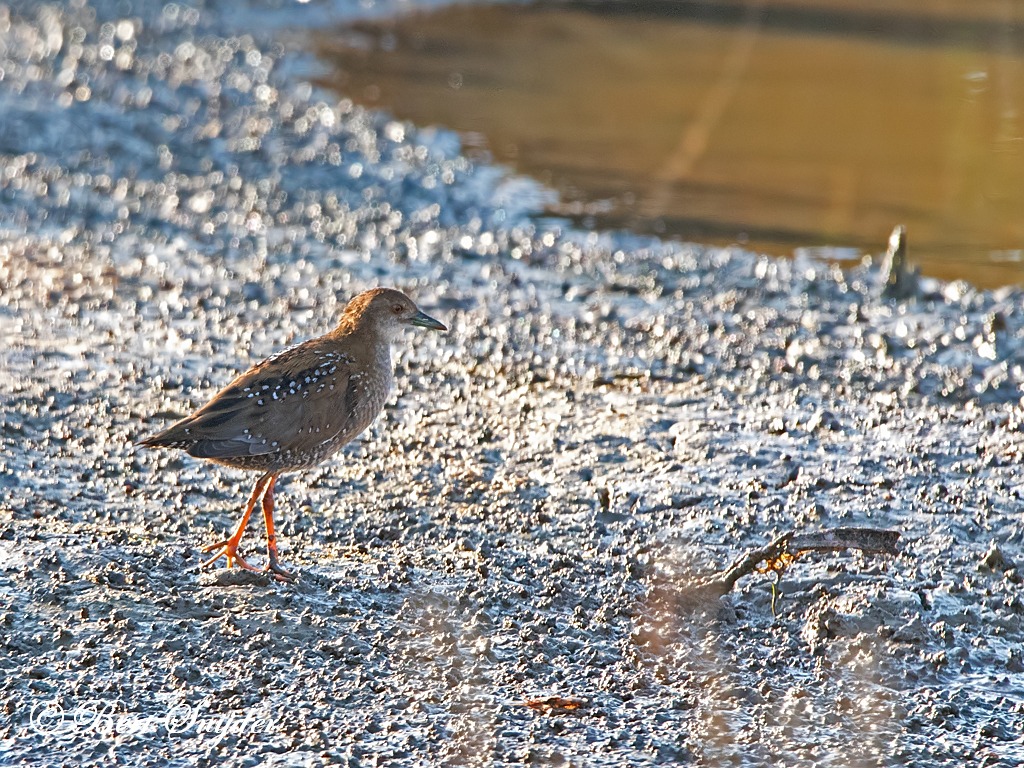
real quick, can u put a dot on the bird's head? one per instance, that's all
(386, 312)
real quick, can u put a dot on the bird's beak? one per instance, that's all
(423, 320)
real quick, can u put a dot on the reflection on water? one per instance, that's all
(775, 124)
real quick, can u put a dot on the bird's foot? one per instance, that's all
(274, 567)
(228, 549)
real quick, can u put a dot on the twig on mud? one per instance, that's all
(787, 547)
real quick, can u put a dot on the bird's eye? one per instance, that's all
(397, 309)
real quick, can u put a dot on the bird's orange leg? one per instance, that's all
(273, 565)
(229, 547)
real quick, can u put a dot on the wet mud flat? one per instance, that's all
(609, 421)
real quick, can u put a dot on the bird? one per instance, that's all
(297, 408)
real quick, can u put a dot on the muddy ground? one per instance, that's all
(609, 420)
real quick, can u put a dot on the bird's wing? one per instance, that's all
(292, 401)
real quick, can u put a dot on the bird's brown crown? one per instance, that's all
(379, 311)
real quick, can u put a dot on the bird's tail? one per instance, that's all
(167, 438)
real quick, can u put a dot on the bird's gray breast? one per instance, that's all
(364, 398)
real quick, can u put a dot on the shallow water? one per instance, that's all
(776, 125)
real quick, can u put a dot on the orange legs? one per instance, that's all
(263, 490)
(268, 518)
(229, 547)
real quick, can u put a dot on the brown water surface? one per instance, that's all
(773, 124)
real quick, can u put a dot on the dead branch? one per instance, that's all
(787, 547)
